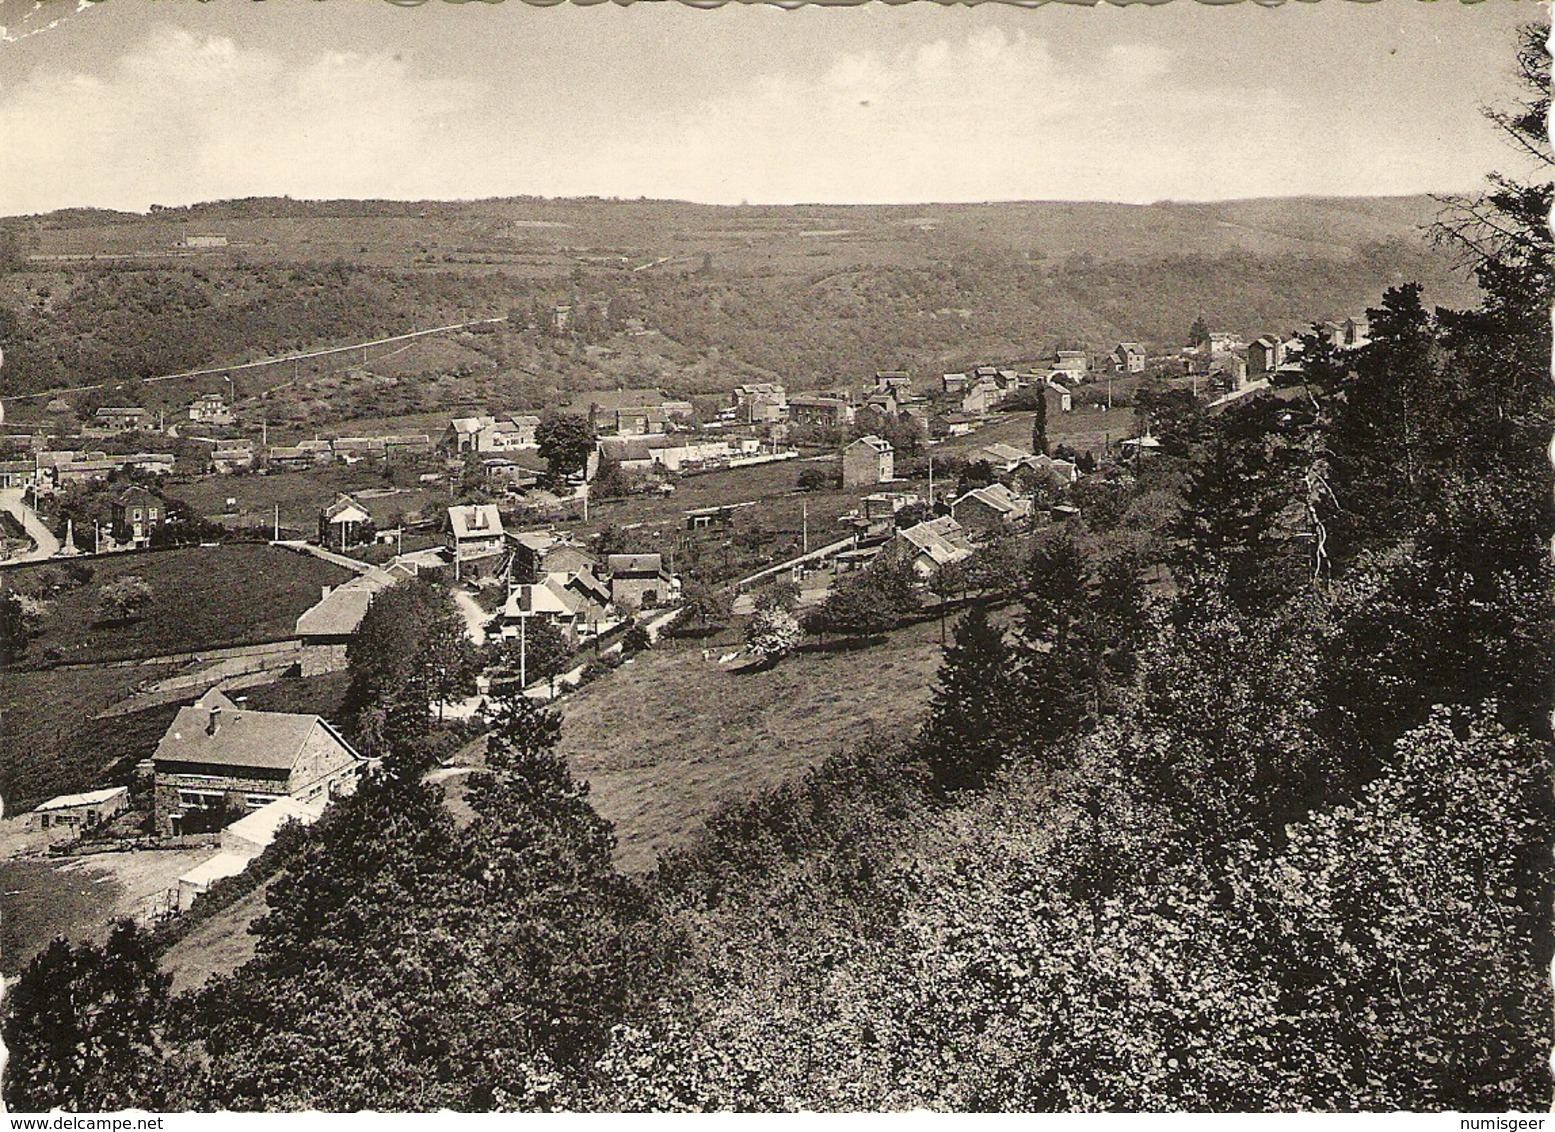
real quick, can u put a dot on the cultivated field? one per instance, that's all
(79, 898)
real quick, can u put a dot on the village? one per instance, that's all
(569, 526)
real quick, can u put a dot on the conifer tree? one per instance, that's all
(974, 712)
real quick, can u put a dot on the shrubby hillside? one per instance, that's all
(1232, 794)
(813, 295)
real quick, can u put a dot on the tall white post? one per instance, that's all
(523, 648)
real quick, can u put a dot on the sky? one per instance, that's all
(126, 103)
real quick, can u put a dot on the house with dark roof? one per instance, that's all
(219, 760)
(118, 418)
(640, 581)
(991, 508)
(1129, 357)
(475, 538)
(934, 543)
(136, 513)
(827, 410)
(325, 629)
(211, 408)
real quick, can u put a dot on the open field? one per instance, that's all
(668, 738)
(51, 741)
(315, 695)
(201, 598)
(1089, 428)
(300, 495)
(80, 897)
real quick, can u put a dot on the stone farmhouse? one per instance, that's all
(867, 461)
(218, 758)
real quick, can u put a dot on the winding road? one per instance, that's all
(45, 544)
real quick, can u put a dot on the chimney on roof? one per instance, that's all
(215, 720)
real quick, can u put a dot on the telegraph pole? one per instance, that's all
(277, 522)
(804, 525)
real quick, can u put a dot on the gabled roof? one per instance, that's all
(941, 539)
(879, 444)
(999, 498)
(260, 827)
(568, 560)
(635, 564)
(475, 520)
(341, 505)
(528, 600)
(135, 494)
(268, 740)
(1004, 453)
(1130, 348)
(612, 400)
(470, 425)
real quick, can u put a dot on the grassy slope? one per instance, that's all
(300, 495)
(51, 742)
(202, 598)
(667, 739)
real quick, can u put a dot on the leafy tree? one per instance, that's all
(123, 599)
(1198, 333)
(865, 604)
(1039, 443)
(83, 1027)
(951, 580)
(781, 594)
(1409, 930)
(611, 480)
(705, 605)
(410, 647)
(1245, 511)
(546, 653)
(1175, 417)
(771, 634)
(636, 639)
(995, 567)
(565, 441)
(449, 660)
(817, 479)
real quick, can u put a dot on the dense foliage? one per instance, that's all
(1233, 794)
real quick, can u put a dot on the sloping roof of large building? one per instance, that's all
(638, 565)
(259, 827)
(342, 504)
(879, 444)
(941, 539)
(612, 400)
(268, 740)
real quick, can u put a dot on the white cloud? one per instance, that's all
(988, 114)
(993, 115)
(182, 118)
